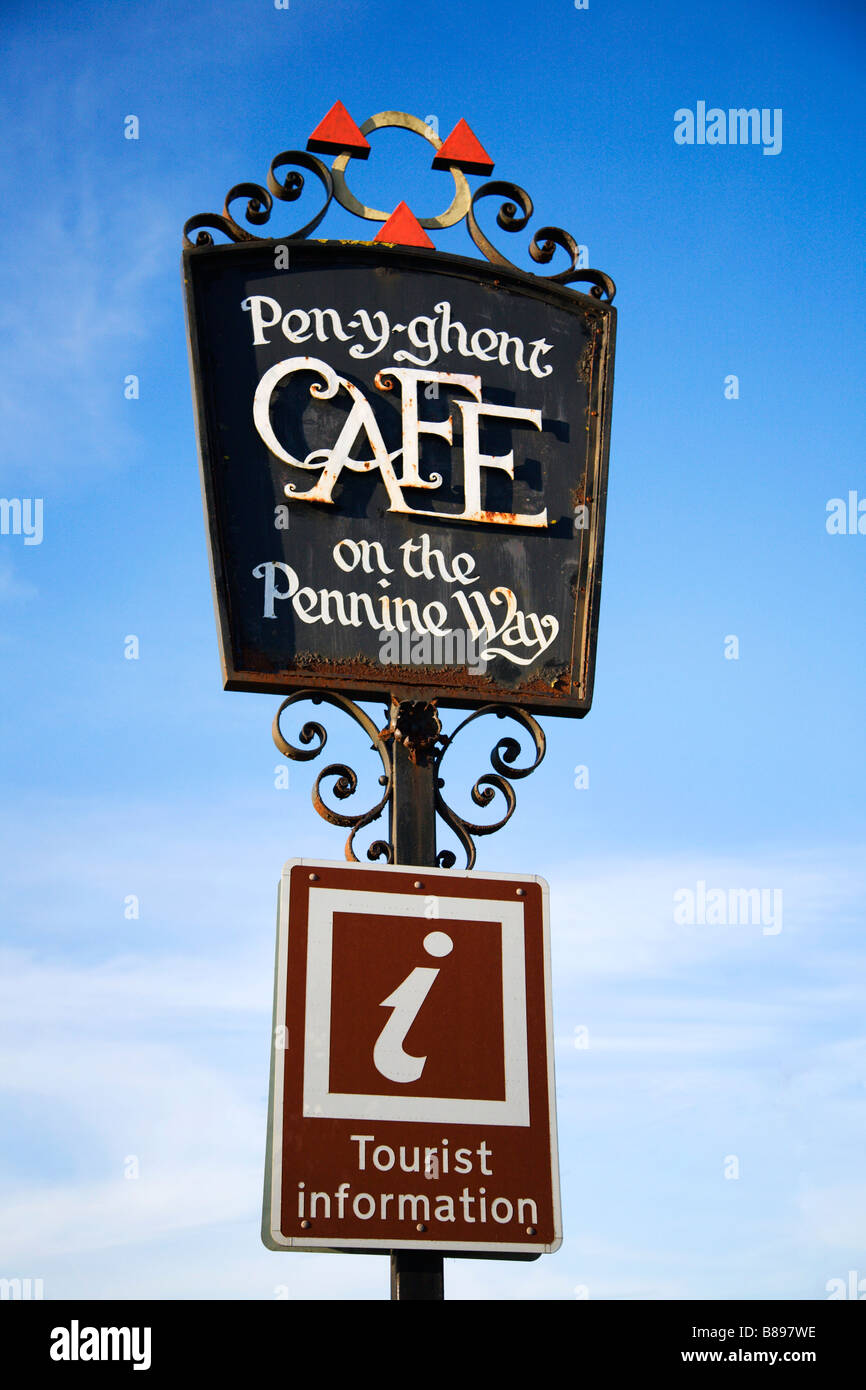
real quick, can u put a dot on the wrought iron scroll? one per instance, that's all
(543, 244)
(416, 725)
(346, 779)
(503, 757)
(513, 216)
(260, 204)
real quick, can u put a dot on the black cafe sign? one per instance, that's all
(404, 453)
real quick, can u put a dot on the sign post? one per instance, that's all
(415, 1274)
(404, 466)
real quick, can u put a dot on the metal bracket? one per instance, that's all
(412, 735)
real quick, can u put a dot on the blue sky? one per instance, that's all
(150, 1036)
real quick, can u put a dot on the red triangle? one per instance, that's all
(404, 228)
(465, 150)
(338, 132)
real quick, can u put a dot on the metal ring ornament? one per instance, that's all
(461, 203)
(513, 215)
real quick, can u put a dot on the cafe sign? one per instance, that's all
(403, 453)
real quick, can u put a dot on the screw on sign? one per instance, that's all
(412, 1105)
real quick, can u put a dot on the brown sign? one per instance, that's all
(412, 1100)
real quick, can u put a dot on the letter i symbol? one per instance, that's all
(389, 1057)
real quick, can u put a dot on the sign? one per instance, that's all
(412, 1089)
(404, 463)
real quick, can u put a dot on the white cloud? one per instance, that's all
(836, 1217)
(700, 1045)
(617, 920)
(11, 586)
(81, 298)
(124, 989)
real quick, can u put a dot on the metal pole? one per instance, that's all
(415, 1274)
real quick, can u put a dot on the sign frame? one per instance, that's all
(570, 692)
(303, 877)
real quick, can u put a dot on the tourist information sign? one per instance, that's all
(412, 1089)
